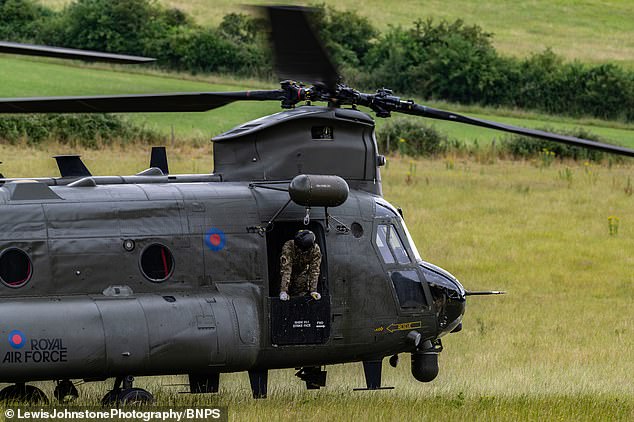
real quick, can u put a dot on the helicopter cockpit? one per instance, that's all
(417, 288)
(400, 262)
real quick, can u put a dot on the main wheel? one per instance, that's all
(111, 398)
(135, 397)
(65, 391)
(23, 393)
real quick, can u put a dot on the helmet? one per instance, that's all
(304, 239)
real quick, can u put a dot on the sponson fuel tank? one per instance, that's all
(146, 334)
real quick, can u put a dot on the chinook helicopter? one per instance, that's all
(159, 274)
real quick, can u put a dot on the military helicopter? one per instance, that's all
(158, 273)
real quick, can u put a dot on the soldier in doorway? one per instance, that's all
(299, 266)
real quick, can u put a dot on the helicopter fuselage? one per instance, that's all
(179, 274)
(118, 279)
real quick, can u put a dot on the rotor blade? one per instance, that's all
(70, 53)
(420, 110)
(145, 103)
(298, 52)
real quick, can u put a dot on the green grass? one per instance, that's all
(590, 31)
(23, 78)
(288, 401)
(556, 347)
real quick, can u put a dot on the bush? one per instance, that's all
(144, 27)
(456, 62)
(451, 61)
(538, 76)
(120, 26)
(87, 130)
(249, 35)
(528, 147)
(20, 19)
(411, 137)
(242, 28)
(346, 35)
(548, 84)
(206, 50)
(601, 91)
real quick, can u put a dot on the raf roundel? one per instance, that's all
(215, 239)
(17, 339)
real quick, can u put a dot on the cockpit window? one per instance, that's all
(397, 246)
(408, 289)
(390, 245)
(384, 209)
(381, 242)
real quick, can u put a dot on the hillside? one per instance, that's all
(590, 31)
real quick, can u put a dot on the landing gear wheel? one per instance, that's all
(111, 398)
(394, 360)
(23, 393)
(127, 396)
(314, 377)
(65, 391)
(135, 397)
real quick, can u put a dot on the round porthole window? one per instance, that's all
(157, 263)
(15, 268)
(356, 229)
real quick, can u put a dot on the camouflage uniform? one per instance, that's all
(299, 269)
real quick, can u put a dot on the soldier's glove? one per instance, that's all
(315, 295)
(284, 296)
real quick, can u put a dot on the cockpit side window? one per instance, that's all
(382, 210)
(386, 210)
(408, 288)
(397, 246)
(381, 243)
(390, 245)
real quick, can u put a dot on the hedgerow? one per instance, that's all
(86, 130)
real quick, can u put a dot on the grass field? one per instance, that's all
(556, 347)
(591, 31)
